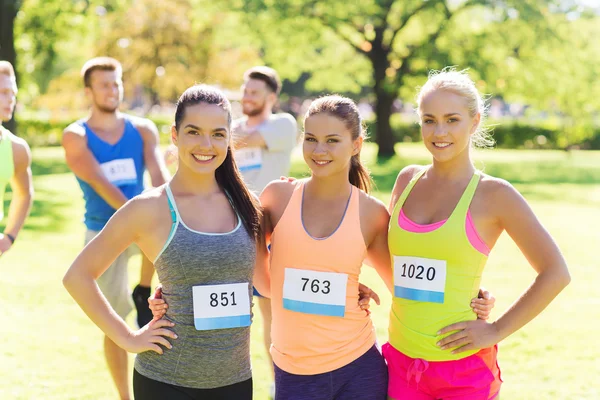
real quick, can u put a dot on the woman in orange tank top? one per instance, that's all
(321, 230)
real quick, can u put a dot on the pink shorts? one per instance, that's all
(476, 377)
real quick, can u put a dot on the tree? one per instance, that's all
(399, 38)
(556, 72)
(8, 14)
(166, 47)
(45, 27)
(566, 79)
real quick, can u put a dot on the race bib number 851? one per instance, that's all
(120, 172)
(314, 292)
(221, 306)
(420, 279)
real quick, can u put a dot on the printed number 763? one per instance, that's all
(315, 285)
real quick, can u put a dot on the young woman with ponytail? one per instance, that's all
(321, 230)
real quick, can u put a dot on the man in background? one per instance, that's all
(15, 163)
(263, 147)
(109, 152)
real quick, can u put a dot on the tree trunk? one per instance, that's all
(384, 136)
(8, 13)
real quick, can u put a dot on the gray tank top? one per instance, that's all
(201, 359)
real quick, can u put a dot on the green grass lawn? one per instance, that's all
(50, 350)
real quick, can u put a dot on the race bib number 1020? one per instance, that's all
(221, 306)
(419, 279)
(314, 292)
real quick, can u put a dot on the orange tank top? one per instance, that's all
(317, 324)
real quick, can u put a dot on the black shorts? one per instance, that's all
(145, 388)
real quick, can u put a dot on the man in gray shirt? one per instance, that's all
(264, 142)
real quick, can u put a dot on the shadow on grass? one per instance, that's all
(574, 194)
(50, 205)
(543, 173)
(49, 211)
(48, 166)
(386, 170)
(527, 174)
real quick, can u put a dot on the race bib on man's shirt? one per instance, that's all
(419, 279)
(314, 292)
(120, 172)
(248, 158)
(221, 306)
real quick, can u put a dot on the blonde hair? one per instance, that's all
(6, 68)
(459, 82)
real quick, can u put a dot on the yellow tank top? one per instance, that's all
(7, 167)
(436, 274)
(317, 324)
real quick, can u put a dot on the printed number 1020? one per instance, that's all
(417, 272)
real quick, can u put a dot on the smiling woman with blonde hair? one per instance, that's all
(446, 217)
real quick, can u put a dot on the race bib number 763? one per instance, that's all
(315, 292)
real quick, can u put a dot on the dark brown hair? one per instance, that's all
(227, 174)
(267, 75)
(346, 110)
(99, 64)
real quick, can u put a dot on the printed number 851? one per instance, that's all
(214, 299)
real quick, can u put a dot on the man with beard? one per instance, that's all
(108, 152)
(15, 163)
(264, 142)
